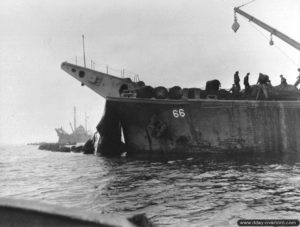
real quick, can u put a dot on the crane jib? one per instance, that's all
(270, 29)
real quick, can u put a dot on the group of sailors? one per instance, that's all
(263, 80)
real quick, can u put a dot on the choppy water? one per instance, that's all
(210, 191)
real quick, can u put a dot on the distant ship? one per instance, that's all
(79, 134)
(167, 121)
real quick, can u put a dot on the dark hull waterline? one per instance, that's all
(195, 126)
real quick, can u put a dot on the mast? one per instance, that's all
(263, 25)
(85, 121)
(71, 127)
(83, 51)
(75, 118)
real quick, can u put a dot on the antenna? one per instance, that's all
(92, 64)
(83, 51)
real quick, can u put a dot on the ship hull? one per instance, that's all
(196, 126)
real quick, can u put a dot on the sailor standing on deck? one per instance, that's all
(233, 89)
(237, 81)
(283, 80)
(246, 82)
(298, 79)
(263, 81)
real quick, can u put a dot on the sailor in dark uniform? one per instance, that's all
(263, 79)
(233, 89)
(298, 79)
(246, 82)
(237, 81)
(283, 80)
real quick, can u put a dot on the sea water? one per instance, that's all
(191, 191)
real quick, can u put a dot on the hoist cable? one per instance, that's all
(245, 4)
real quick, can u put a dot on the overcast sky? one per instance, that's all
(167, 42)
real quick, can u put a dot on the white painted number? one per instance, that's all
(181, 113)
(175, 113)
(178, 113)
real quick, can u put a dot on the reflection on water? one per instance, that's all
(207, 191)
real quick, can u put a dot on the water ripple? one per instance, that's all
(213, 191)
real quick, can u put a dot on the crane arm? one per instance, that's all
(270, 29)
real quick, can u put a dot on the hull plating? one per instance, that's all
(155, 126)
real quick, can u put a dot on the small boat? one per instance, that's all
(23, 213)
